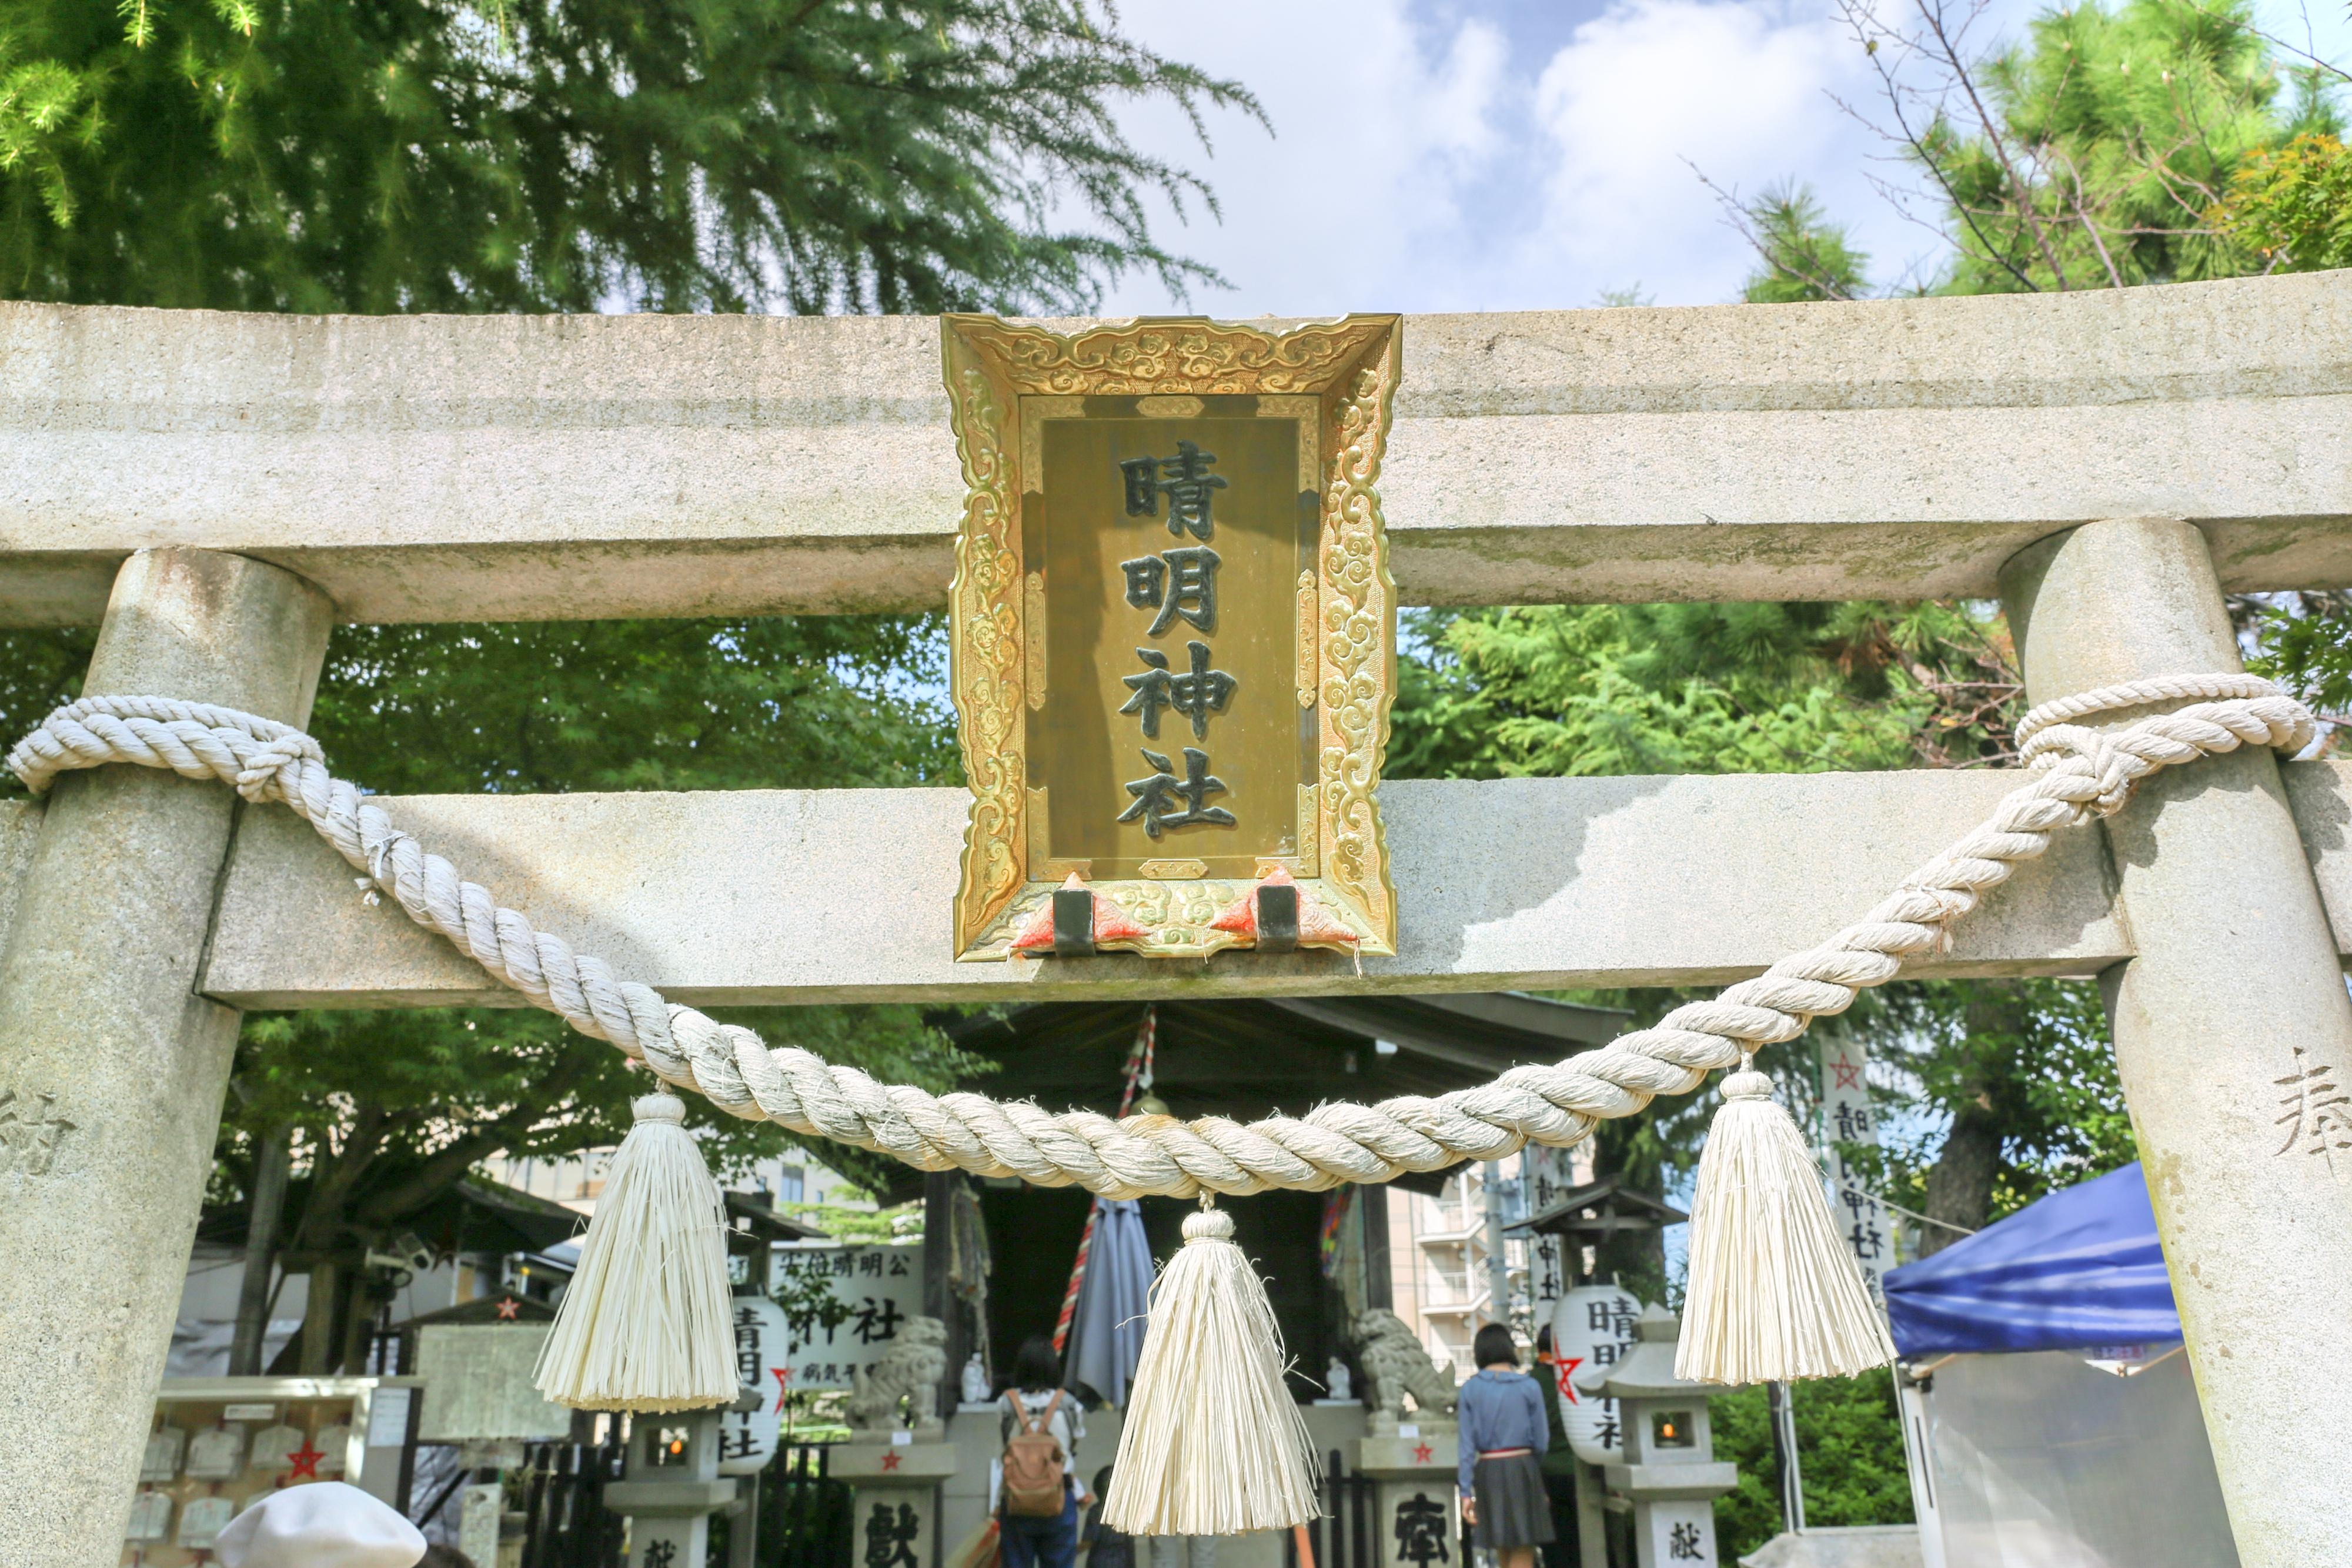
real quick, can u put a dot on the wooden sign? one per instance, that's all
(1173, 629)
(479, 1385)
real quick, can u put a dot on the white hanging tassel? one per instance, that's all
(1774, 1293)
(1213, 1443)
(647, 1323)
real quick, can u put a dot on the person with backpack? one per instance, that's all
(1037, 1485)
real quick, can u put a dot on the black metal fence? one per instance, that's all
(805, 1513)
(1345, 1536)
(566, 1524)
(803, 1519)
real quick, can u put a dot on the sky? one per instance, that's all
(1525, 154)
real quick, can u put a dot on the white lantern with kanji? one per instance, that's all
(763, 1362)
(1669, 1474)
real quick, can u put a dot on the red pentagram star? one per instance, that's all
(1849, 1076)
(510, 1310)
(1567, 1364)
(1421, 1453)
(784, 1386)
(890, 1460)
(305, 1462)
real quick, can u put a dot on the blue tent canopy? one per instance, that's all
(2080, 1269)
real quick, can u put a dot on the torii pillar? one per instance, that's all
(108, 1052)
(2233, 1009)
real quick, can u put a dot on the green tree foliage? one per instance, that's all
(1853, 1474)
(1590, 690)
(2291, 205)
(313, 155)
(2115, 133)
(2303, 641)
(2143, 142)
(2151, 140)
(2094, 151)
(39, 671)
(1582, 690)
(1802, 254)
(2024, 1073)
(839, 1219)
(788, 702)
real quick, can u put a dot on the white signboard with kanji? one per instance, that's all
(479, 1384)
(1593, 1326)
(874, 1290)
(1847, 1118)
(1549, 1176)
(746, 1439)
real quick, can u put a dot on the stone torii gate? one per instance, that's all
(221, 488)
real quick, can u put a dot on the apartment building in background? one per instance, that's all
(1441, 1259)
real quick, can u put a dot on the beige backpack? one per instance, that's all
(1034, 1462)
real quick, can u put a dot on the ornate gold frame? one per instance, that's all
(1350, 368)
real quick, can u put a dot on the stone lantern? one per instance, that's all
(1670, 1476)
(673, 1486)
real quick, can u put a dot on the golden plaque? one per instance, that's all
(1173, 637)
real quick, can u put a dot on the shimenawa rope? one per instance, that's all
(1772, 1292)
(2077, 774)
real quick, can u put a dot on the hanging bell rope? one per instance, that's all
(2076, 776)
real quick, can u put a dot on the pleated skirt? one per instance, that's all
(1513, 1509)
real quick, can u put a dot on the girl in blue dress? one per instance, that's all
(1504, 1435)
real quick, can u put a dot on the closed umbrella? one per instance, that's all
(1107, 1328)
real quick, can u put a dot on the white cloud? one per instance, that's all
(1651, 89)
(1521, 154)
(1379, 126)
(1420, 164)
(1455, 116)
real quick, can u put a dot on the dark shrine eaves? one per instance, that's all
(1598, 1210)
(1246, 1058)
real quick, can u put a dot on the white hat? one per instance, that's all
(323, 1524)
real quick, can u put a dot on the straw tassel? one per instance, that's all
(647, 1324)
(1774, 1293)
(1213, 1443)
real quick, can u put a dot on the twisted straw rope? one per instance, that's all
(2076, 775)
(2132, 693)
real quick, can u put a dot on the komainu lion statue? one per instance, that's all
(905, 1377)
(1395, 1365)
